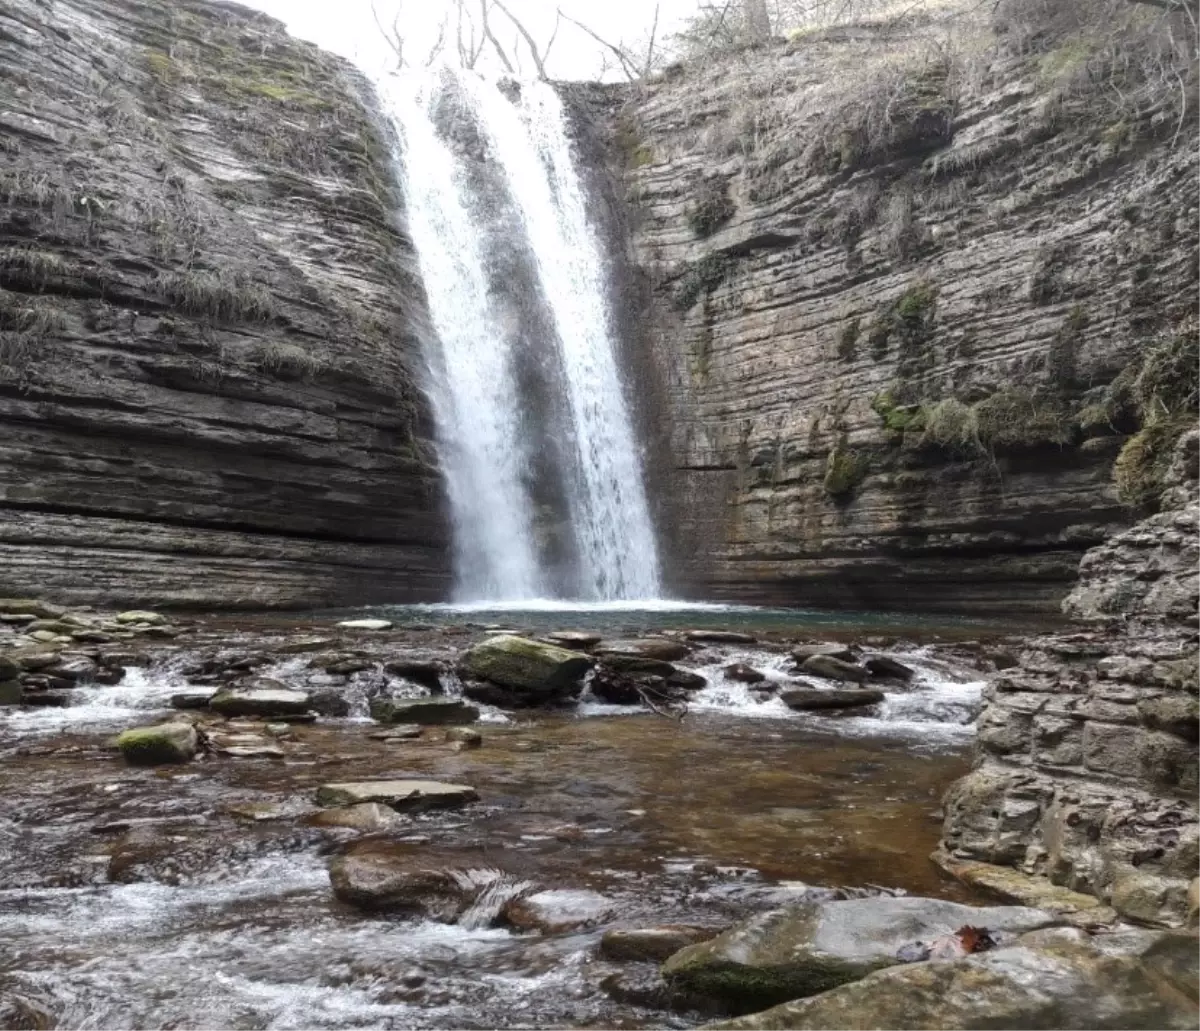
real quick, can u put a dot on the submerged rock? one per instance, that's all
(814, 699)
(832, 668)
(809, 948)
(531, 672)
(264, 697)
(557, 910)
(162, 743)
(399, 794)
(10, 692)
(192, 699)
(425, 711)
(1054, 985)
(370, 817)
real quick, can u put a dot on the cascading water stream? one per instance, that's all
(610, 516)
(483, 421)
(472, 385)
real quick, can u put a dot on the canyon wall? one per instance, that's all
(1086, 759)
(887, 285)
(208, 319)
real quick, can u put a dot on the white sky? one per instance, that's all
(347, 27)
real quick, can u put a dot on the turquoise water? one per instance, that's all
(642, 616)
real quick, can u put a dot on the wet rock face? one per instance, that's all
(1080, 779)
(1052, 985)
(806, 949)
(206, 378)
(1001, 254)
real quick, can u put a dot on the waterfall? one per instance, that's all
(486, 428)
(610, 517)
(472, 387)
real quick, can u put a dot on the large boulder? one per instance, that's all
(262, 697)
(528, 672)
(399, 794)
(31, 607)
(369, 817)
(1066, 984)
(811, 947)
(887, 667)
(161, 743)
(420, 669)
(425, 711)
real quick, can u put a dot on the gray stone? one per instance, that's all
(808, 948)
(557, 910)
(424, 711)
(660, 648)
(141, 616)
(399, 794)
(803, 652)
(266, 701)
(815, 699)
(580, 640)
(197, 699)
(720, 637)
(832, 668)
(885, 666)
(1057, 985)
(744, 674)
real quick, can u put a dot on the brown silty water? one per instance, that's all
(197, 896)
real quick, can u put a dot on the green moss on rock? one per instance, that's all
(163, 743)
(845, 469)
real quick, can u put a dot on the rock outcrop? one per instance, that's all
(1086, 767)
(884, 288)
(208, 318)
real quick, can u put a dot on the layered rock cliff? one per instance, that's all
(1086, 764)
(889, 278)
(208, 318)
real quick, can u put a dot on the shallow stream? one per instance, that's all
(181, 897)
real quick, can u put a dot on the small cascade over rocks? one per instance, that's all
(532, 473)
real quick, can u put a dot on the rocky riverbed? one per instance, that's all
(413, 821)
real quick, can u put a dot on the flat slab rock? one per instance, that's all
(801, 950)
(1056, 985)
(399, 794)
(261, 702)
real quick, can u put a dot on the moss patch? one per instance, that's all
(845, 469)
(700, 278)
(712, 207)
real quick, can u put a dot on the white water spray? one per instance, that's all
(472, 385)
(610, 517)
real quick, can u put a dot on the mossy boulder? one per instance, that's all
(161, 743)
(529, 672)
(810, 948)
(141, 616)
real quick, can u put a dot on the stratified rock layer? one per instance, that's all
(800, 286)
(207, 318)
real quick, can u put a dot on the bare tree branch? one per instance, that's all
(438, 44)
(650, 46)
(627, 66)
(391, 36)
(491, 38)
(539, 59)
